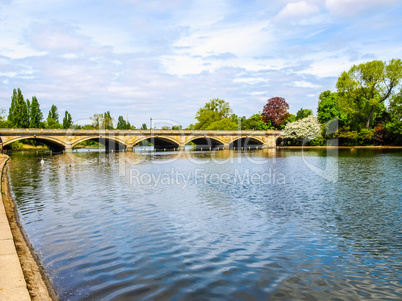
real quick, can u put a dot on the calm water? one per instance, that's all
(216, 226)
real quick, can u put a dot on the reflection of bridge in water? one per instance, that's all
(124, 140)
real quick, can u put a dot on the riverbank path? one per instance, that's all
(12, 282)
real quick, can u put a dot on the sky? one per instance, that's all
(165, 59)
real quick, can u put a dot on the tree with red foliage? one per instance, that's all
(276, 111)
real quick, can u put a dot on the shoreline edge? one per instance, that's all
(32, 282)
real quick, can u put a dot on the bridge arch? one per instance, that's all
(246, 142)
(160, 142)
(54, 144)
(206, 142)
(110, 142)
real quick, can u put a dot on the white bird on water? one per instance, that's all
(42, 161)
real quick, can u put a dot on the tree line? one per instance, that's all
(27, 114)
(356, 114)
(367, 106)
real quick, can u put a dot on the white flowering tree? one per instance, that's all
(308, 127)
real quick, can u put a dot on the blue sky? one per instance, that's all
(165, 59)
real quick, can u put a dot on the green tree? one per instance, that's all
(291, 118)
(97, 120)
(328, 108)
(365, 87)
(11, 110)
(88, 127)
(4, 123)
(303, 113)
(102, 121)
(213, 111)
(107, 121)
(225, 124)
(395, 114)
(329, 112)
(53, 118)
(28, 106)
(255, 122)
(144, 126)
(18, 115)
(52, 124)
(67, 120)
(35, 114)
(53, 113)
(122, 124)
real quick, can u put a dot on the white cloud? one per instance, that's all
(239, 44)
(56, 37)
(19, 51)
(329, 67)
(258, 93)
(156, 5)
(250, 80)
(305, 84)
(69, 56)
(8, 74)
(186, 64)
(203, 13)
(240, 39)
(297, 10)
(349, 8)
(183, 65)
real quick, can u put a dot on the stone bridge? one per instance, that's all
(59, 140)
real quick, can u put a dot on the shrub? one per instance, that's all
(17, 145)
(346, 136)
(365, 136)
(317, 142)
(308, 127)
(380, 134)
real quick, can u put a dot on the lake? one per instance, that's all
(225, 225)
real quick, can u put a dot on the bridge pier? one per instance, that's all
(226, 146)
(68, 148)
(270, 142)
(130, 148)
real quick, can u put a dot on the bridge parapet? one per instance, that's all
(138, 131)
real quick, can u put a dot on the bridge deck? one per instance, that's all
(52, 132)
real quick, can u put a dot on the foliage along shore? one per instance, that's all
(33, 145)
(342, 147)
